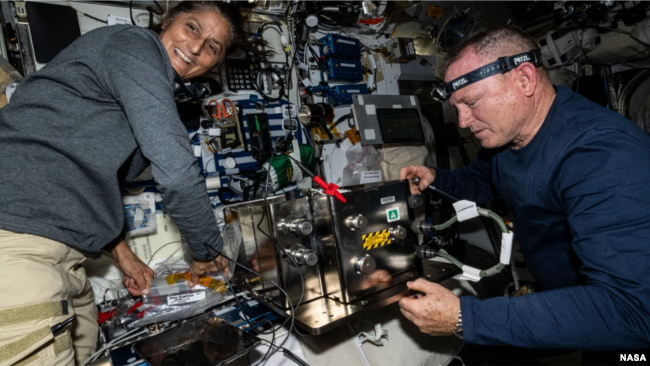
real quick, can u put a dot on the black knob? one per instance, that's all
(415, 201)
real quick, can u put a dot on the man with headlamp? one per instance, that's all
(577, 179)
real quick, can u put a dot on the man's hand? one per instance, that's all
(200, 267)
(137, 275)
(435, 312)
(426, 175)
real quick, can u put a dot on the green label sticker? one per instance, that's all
(392, 214)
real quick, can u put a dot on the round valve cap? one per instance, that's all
(365, 264)
(358, 222)
(398, 233)
(310, 259)
(304, 228)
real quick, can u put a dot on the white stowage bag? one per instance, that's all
(396, 158)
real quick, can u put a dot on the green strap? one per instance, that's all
(27, 313)
(23, 344)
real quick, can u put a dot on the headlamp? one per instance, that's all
(442, 91)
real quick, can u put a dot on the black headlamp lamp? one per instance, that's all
(442, 91)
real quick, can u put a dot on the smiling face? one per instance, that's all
(491, 108)
(195, 42)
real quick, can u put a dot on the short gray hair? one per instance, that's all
(497, 41)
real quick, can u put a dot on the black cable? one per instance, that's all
(131, 12)
(278, 246)
(241, 308)
(267, 97)
(271, 345)
(229, 285)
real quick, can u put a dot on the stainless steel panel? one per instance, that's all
(395, 262)
(282, 214)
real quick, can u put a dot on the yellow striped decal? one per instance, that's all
(376, 239)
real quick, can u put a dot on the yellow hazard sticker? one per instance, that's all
(435, 11)
(376, 239)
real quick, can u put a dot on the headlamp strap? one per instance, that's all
(500, 66)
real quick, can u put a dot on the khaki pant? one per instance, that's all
(41, 284)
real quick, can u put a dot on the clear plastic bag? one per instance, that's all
(170, 299)
(9, 79)
(364, 166)
(232, 240)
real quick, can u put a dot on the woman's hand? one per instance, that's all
(137, 275)
(199, 268)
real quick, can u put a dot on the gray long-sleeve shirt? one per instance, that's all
(95, 115)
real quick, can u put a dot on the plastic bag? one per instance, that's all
(140, 214)
(9, 79)
(364, 166)
(232, 239)
(170, 299)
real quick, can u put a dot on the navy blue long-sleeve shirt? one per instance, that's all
(580, 194)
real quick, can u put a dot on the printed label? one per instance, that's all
(354, 91)
(392, 214)
(371, 176)
(348, 65)
(521, 59)
(386, 200)
(458, 83)
(113, 20)
(376, 239)
(346, 42)
(465, 210)
(185, 298)
(11, 88)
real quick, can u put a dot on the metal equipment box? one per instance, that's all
(344, 93)
(361, 262)
(334, 45)
(342, 69)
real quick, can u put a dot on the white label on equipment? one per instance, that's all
(185, 298)
(465, 210)
(371, 110)
(114, 20)
(506, 247)
(392, 214)
(288, 111)
(397, 106)
(354, 91)
(214, 131)
(470, 274)
(306, 82)
(371, 176)
(11, 88)
(348, 42)
(412, 99)
(369, 134)
(348, 65)
(226, 150)
(360, 99)
(386, 200)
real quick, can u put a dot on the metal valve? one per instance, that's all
(425, 252)
(365, 264)
(422, 227)
(297, 227)
(303, 256)
(356, 222)
(398, 233)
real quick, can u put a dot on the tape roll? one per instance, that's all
(213, 183)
